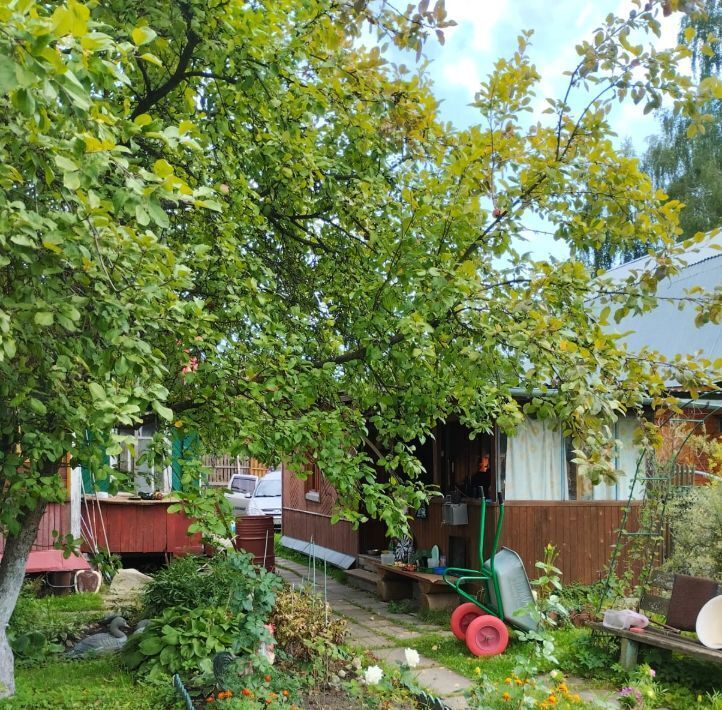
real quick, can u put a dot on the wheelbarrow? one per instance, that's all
(503, 578)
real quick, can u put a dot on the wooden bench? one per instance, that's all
(657, 603)
(430, 589)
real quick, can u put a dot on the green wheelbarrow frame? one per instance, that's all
(488, 575)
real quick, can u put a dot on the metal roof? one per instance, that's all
(666, 328)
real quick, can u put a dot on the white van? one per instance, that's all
(266, 499)
(240, 490)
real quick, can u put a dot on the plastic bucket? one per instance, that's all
(709, 623)
(254, 534)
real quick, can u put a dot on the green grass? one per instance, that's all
(98, 683)
(281, 551)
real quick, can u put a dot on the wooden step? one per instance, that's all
(362, 579)
(368, 562)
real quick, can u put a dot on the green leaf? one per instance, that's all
(65, 164)
(96, 391)
(163, 411)
(8, 78)
(23, 240)
(150, 646)
(24, 102)
(43, 318)
(37, 406)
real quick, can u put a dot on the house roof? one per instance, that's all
(667, 329)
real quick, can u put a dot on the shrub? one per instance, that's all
(201, 608)
(185, 641)
(227, 579)
(696, 525)
(303, 622)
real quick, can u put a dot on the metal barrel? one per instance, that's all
(254, 534)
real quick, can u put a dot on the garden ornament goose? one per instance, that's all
(102, 643)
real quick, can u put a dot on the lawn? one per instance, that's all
(98, 683)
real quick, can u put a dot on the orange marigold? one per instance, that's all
(284, 693)
(210, 699)
(246, 692)
(267, 678)
(519, 681)
(563, 688)
(552, 699)
(505, 696)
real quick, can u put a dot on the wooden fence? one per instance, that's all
(222, 467)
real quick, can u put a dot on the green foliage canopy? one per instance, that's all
(241, 220)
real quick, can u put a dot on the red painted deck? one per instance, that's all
(139, 527)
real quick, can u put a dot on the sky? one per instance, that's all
(487, 30)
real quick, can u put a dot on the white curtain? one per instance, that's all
(534, 462)
(628, 459)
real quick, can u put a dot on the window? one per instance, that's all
(538, 465)
(243, 484)
(137, 460)
(312, 485)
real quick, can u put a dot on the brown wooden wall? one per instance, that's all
(56, 517)
(583, 532)
(140, 527)
(305, 519)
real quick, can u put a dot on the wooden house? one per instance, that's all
(60, 519)
(546, 500)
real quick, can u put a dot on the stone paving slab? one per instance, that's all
(441, 680)
(455, 702)
(398, 655)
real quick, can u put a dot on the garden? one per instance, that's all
(207, 632)
(222, 632)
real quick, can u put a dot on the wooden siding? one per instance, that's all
(583, 532)
(305, 519)
(139, 527)
(56, 518)
(302, 525)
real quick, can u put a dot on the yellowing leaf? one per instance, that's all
(151, 59)
(71, 20)
(94, 145)
(162, 168)
(143, 35)
(143, 120)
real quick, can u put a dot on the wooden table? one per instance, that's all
(430, 589)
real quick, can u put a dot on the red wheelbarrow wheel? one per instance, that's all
(462, 616)
(487, 636)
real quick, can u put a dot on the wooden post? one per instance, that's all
(628, 654)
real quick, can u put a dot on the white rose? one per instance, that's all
(372, 675)
(412, 657)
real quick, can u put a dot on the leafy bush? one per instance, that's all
(184, 641)
(696, 524)
(202, 607)
(303, 622)
(227, 579)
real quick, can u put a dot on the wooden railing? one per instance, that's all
(222, 467)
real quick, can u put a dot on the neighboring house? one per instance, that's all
(63, 518)
(546, 500)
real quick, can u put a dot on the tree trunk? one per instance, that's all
(12, 574)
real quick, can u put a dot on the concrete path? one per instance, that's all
(371, 626)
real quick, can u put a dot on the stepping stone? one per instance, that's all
(398, 655)
(441, 681)
(455, 702)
